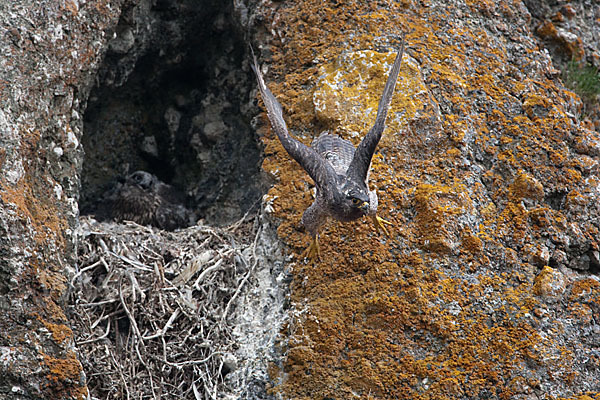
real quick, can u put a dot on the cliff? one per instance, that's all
(49, 54)
(487, 286)
(488, 169)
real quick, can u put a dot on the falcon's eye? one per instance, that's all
(355, 201)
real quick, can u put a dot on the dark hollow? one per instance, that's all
(172, 99)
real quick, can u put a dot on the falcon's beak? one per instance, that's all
(365, 206)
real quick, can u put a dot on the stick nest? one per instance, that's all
(152, 310)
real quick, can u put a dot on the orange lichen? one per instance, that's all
(60, 332)
(584, 289)
(36, 208)
(471, 243)
(572, 44)
(549, 284)
(71, 6)
(526, 186)
(62, 373)
(444, 307)
(435, 205)
(547, 29)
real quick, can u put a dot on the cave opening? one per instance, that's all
(174, 99)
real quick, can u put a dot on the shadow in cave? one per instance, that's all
(172, 100)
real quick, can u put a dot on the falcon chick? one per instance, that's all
(340, 171)
(144, 199)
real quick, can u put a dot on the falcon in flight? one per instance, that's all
(339, 170)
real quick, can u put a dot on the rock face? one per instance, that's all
(488, 286)
(571, 34)
(50, 52)
(153, 85)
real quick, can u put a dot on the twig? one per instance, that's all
(195, 362)
(103, 336)
(131, 262)
(98, 303)
(207, 271)
(162, 331)
(246, 276)
(84, 270)
(129, 315)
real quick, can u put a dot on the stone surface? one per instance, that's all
(488, 286)
(570, 31)
(492, 189)
(52, 54)
(49, 54)
(180, 82)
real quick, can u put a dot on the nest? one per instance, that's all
(152, 310)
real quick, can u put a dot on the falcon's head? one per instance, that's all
(142, 179)
(355, 196)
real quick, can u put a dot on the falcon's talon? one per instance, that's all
(380, 223)
(313, 251)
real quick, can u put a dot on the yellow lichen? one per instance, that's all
(383, 316)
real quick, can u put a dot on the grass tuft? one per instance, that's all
(583, 79)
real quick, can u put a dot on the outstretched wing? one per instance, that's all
(319, 170)
(359, 167)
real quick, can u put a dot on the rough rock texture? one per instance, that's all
(49, 53)
(488, 287)
(166, 73)
(569, 29)
(260, 315)
(172, 99)
(571, 32)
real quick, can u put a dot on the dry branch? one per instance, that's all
(150, 308)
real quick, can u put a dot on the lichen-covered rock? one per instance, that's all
(488, 286)
(49, 52)
(569, 29)
(571, 33)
